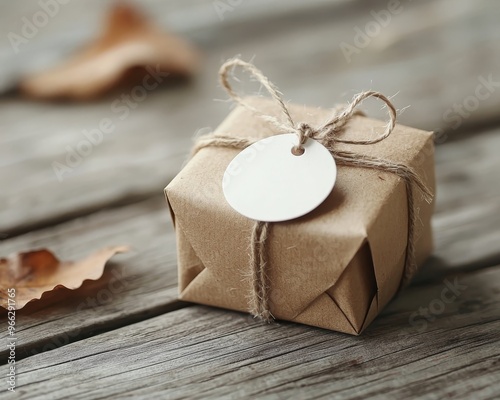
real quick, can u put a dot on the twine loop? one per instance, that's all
(329, 135)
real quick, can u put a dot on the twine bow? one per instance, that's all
(327, 134)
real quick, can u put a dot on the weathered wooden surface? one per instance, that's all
(125, 335)
(466, 228)
(201, 353)
(136, 285)
(201, 20)
(467, 219)
(151, 138)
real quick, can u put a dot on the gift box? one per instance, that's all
(334, 268)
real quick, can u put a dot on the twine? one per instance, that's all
(326, 135)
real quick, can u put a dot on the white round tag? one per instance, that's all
(267, 182)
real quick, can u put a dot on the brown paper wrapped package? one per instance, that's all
(335, 268)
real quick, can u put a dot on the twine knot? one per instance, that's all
(304, 131)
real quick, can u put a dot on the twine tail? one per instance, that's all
(211, 140)
(259, 302)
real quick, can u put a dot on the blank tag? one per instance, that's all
(266, 182)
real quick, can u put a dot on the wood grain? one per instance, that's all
(152, 136)
(467, 219)
(201, 353)
(199, 20)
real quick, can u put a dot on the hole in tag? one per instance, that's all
(297, 151)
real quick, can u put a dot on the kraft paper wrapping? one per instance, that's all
(335, 268)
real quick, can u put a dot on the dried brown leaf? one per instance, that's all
(33, 273)
(129, 48)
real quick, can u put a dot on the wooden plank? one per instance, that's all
(135, 286)
(207, 353)
(467, 219)
(466, 233)
(148, 145)
(148, 160)
(43, 45)
(257, 28)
